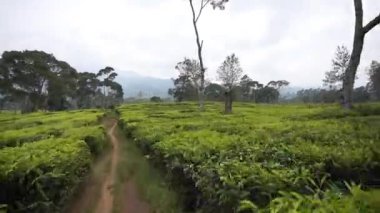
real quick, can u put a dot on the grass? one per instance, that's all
(135, 167)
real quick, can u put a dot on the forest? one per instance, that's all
(35, 80)
(70, 141)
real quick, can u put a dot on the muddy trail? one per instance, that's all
(97, 193)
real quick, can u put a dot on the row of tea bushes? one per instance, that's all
(44, 156)
(257, 152)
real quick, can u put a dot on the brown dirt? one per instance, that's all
(131, 201)
(106, 199)
(92, 198)
(89, 191)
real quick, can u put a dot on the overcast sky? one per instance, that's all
(274, 39)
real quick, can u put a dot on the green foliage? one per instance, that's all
(328, 201)
(258, 152)
(35, 80)
(43, 157)
(150, 181)
(155, 99)
(374, 79)
(247, 206)
(334, 77)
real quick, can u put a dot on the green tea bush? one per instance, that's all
(328, 201)
(40, 176)
(44, 156)
(252, 156)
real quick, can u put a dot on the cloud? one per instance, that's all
(292, 40)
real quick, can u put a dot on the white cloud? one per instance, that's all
(292, 40)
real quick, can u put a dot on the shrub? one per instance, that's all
(155, 99)
(227, 161)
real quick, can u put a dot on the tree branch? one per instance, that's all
(192, 10)
(358, 14)
(372, 24)
(203, 5)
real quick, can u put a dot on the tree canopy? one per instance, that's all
(36, 80)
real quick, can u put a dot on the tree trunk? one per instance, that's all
(349, 76)
(201, 98)
(199, 46)
(228, 102)
(254, 96)
(360, 32)
(26, 105)
(225, 102)
(104, 97)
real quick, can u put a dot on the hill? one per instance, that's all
(133, 83)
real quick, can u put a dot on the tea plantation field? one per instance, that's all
(268, 158)
(43, 157)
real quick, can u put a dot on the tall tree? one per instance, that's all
(267, 94)
(360, 32)
(230, 73)
(187, 85)
(196, 14)
(278, 84)
(27, 74)
(374, 79)
(115, 93)
(183, 89)
(334, 78)
(5, 83)
(87, 86)
(270, 93)
(106, 75)
(249, 88)
(62, 86)
(245, 87)
(214, 92)
(192, 70)
(36, 80)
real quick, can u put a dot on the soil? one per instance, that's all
(96, 194)
(105, 203)
(131, 201)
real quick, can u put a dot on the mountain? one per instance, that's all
(134, 83)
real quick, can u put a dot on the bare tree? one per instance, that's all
(196, 15)
(230, 73)
(360, 32)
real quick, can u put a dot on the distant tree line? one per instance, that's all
(35, 80)
(234, 85)
(347, 94)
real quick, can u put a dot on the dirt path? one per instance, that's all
(105, 203)
(89, 190)
(131, 201)
(96, 194)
